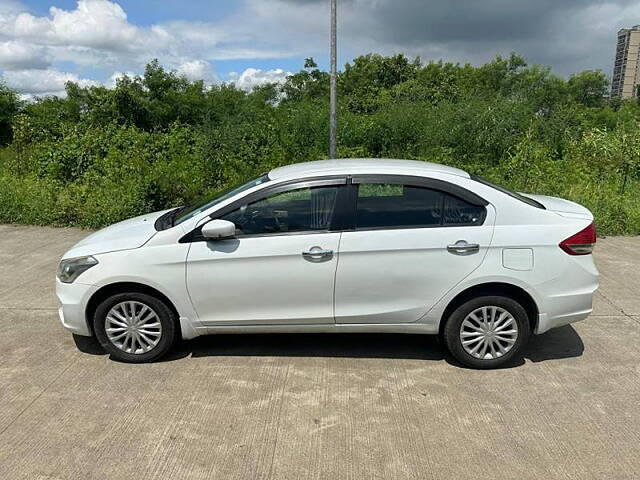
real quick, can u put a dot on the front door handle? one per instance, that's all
(317, 252)
(462, 247)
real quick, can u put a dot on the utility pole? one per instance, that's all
(333, 101)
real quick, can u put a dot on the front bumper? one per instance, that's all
(73, 298)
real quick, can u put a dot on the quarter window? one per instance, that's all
(461, 212)
(300, 210)
(383, 205)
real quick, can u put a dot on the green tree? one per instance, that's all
(365, 81)
(9, 107)
(589, 88)
(310, 84)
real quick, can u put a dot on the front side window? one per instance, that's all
(381, 205)
(298, 210)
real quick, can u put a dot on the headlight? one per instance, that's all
(71, 268)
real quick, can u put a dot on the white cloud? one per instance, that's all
(96, 31)
(196, 34)
(98, 24)
(253, 77)
(99, 33)
(257, 30)
(95, 23)
(43, 82)
(198, 70)
(11, 7)
(16, 55)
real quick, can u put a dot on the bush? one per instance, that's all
(158, 141)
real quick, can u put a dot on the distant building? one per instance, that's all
(626, 76)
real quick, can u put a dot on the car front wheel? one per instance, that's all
(135, 327)
(487, 332)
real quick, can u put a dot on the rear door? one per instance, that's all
(412, 241)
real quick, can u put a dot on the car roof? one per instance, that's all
(362, 166)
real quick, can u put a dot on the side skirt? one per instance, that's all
(326, 328)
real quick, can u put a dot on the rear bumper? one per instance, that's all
(569, 298)
(73, 298)
(546, 323)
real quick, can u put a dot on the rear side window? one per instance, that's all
(381, 205)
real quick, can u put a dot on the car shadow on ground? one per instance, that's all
(556, 344)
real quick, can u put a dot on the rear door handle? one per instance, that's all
(317, 252)
(462, 247)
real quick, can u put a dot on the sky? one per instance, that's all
(45, 43)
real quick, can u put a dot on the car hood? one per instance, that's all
(563, 207)
(125, 235)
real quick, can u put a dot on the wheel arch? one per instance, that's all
(504, 289)
(126, 287)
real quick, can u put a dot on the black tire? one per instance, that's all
(452, 336)
(166, 316)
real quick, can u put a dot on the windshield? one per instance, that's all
(198, 207)
(522, 198)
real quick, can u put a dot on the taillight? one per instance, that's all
(581, 243)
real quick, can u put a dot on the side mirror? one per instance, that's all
(218, 230)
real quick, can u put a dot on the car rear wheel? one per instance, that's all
(487, 332)
(135, 327)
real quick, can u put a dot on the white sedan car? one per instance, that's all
(339, 246)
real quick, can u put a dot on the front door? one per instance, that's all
(402, 257)
(280, 268)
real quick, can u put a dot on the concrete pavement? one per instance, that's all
(314, 406)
